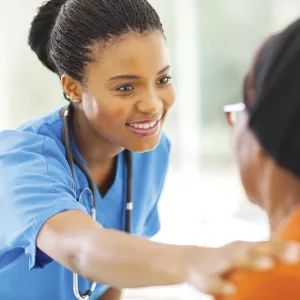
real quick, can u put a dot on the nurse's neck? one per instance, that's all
(99, 154)
(96, 150)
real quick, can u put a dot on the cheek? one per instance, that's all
(108, 110)
(116, 113)
(169, 96)
(247, 157)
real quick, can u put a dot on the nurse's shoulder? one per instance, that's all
(39, 135)
(35, 183)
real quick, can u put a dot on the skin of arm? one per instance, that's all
(121, 260)
(125, 261)
(111, 294)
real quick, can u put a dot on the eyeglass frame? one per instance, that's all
(233, 108)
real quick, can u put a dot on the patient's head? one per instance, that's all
(266, 125)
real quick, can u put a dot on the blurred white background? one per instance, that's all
(211, 44)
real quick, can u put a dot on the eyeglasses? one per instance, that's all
(231, 111)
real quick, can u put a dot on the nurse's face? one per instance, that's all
(128, 91)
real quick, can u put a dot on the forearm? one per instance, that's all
(111, 294)
(124, 261)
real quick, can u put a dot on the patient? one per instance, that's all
(266, 139)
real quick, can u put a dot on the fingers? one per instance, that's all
(261, 263)
(285, 252)
(210, 278)
(263, 255)
(216, 286)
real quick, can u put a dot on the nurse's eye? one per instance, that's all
(124, 88)
(164, 80)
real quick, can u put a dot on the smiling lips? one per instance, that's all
(145, 128)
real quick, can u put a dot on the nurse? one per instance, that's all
(114, 67)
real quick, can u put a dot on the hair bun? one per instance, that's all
(40, 31)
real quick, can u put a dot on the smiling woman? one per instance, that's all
(66, 177)
(125, 88)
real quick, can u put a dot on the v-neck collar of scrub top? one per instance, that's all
(113, 195)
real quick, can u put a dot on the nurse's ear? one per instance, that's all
(72, 88)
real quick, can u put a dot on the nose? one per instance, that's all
(150, 103)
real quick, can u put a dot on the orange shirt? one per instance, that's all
(280, 283)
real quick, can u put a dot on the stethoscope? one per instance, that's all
(67, 141)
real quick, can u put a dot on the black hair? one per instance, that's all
(273, 90)
(63, 31)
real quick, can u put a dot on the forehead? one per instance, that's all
(132, 53)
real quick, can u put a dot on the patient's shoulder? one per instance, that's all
(280, 283)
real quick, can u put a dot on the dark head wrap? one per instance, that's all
(272, 97)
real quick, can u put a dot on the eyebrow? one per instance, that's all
(135, 77)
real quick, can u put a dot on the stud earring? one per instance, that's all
(75, 101)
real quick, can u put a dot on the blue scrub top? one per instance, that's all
(36, 183)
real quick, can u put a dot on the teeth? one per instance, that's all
(144, 126)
